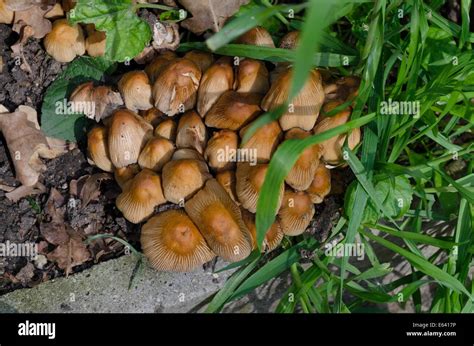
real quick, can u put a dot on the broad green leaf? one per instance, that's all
(127, 34)
(70, 127)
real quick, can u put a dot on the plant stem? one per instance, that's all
(156, 6)
(278, 15)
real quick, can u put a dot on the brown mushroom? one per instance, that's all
(192, 132)
(273, 236)
(220, 221)
(321, 184)
(172, 242)
(228, 182)
(123, 174)
(97, 146)
(65, 41)
(257, 36)
(252, 77)
(264, 141)
(156, 153)
(233, 110)
(295, 213)
(136, 90)
(220, 149)
(140, 196)
(203, 59)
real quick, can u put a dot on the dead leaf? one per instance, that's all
(91, 189)
(209, 14)
(71, 254)
(55, 231)
(22, 5)
(23, 191)
(33, 17)
(26, 144)
(17, 49)
(25, 274)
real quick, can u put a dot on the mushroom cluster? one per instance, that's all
(178, 140)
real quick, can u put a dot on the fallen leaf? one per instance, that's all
(209, 14)
(55, 231)
(33, 17)
(22, 5)
(91, 189)
(26, 144)
(25, 274)
(71, 254)
(23, 191)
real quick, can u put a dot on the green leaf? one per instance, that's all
(70, 126)
(127, 34)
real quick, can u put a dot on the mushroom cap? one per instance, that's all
(182, 178)
(233, 110)
(257, 36)
(302, 173)
(95, 43)
(95, 101)
(172, 242)
(166, 129)
(228, 182)
(128, 133)
(220, 221)
(156, 153)
(264, 141)
(249, 184)
(344, 89)
(321, 184)
(176, 86)
(295, 213)
(136, 90)
(98, 148)
(332, 147)
(65, 41)
(217, 79)
(154, 68)
(124, 174)
(203, 59)
(140, 196)
(6, 15)
(273, 237)
(153, 116)
(252, 77)
(290, 40)
(187, 153)
(304, 108)
(223, 144)
(192, 132)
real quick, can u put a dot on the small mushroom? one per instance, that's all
(332, 147)
(97, 146)
(166, 129)
(156, 153)
(228, 182)
(290, 40)
(249, 184)
(128, 134)
(302, 173)
(321, 185)
(257, 36)
(124, 174)
(154, 68)
(55, 12)
(273, 237)
(295, 213)
(220, 221)
(220, 149)
(65, 41)
(252, 77)
(304, 109)
(95, 41)
(153, 116)
(187, 153)
(6, 15)
(203, 59)
(264, 141)
(140, 196)
(192, 132)
(136, 90)
(172, 242)
(217, 79)
(233, 110)
(175, 88)
(182, 178)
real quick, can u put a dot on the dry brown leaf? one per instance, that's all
(91, 189)
(23, 191)
(22, 5)
(26, 144)
(33, 17)
(70, 254)
(25, 274)
(209, 14)
(55, 231)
